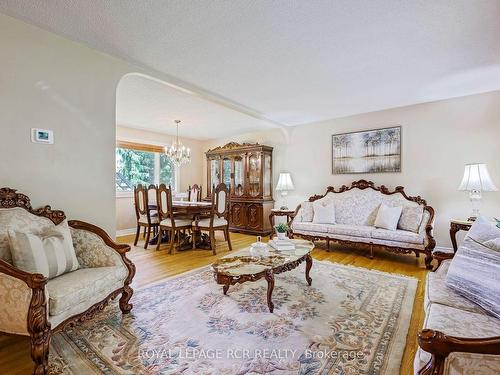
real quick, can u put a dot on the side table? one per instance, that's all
(277, 212)
(455, 226)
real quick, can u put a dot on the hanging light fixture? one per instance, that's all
(177, 152)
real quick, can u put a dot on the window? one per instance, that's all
(142, 164)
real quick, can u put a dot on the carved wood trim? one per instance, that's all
(233, 146)
(10, 199)
(441, 345)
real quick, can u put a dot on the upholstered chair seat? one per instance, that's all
(205, 223)
(177, 222)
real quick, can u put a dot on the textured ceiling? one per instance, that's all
(294, 61)
(150, 104)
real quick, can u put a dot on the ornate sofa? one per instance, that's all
(34, 306)
(356, 208)
(458, 336)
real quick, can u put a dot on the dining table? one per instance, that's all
(191, 210)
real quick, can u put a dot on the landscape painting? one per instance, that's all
(371, 151)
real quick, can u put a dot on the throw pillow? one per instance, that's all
(306, 211)
(50, 252)
(411, 217)
(474, 269)
(388, 217)
(324, 212)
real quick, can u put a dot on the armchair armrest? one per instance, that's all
(440, 346)
(23, 301)
(440, 256)
(95, 248)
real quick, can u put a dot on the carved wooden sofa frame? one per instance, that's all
(440, 345)
(364, 184)
(38, 326)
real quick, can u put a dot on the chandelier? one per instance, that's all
(177, 152)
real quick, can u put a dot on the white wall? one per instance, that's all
(437, 140)
(50, 82)
(188, 174)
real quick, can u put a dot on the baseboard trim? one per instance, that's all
(125, 232)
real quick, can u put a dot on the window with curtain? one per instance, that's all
(142, 164)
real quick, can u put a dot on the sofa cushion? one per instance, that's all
(456, 322)
(50, 253)
(324, 212)
(475, 269)
(82, 285)
(311, 227)
(351, 230)
(388, 217)
(306, 212)
(436, 291)
(411, 217)
(16, 219)
(398, 235)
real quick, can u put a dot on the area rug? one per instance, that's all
(350, 321)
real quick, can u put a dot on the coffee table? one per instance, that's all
(245, 266)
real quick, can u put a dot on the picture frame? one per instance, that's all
(367, 151)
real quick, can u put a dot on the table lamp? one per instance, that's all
(285, 184)
(476, 180)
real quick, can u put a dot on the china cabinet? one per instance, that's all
(246, 169)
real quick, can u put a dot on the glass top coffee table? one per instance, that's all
(249, 266)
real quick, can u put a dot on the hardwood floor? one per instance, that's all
(155, 265)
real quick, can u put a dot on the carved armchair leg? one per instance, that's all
(125, 306)
(40, 342)
(428, 259)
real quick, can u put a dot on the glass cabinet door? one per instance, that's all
(267, 183)
(226, 172)
(214, 173)
(238, 176)
(254, 175)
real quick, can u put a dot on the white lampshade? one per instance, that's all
(476, 177)
(285, 182)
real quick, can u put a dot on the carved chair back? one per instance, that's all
(140, 201)
(165, 205)
(194, 193)
(220, 202)
(152, 193)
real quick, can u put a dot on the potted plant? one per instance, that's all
(281, 230)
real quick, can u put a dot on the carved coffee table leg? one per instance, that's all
(225, 288)
(270, 287)
(309, 263)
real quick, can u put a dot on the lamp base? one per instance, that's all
(283, 208)
(472, 218)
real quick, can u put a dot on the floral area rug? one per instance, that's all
(350, 321)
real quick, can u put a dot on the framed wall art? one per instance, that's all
(370, 151)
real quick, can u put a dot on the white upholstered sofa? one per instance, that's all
(31, 304)
(356, 208)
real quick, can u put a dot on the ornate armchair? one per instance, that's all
(34, 306)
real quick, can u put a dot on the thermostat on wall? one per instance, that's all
(42, 136)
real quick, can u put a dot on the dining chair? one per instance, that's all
(168, 222)
(145, 215)
(194, 193)
(219, 216)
